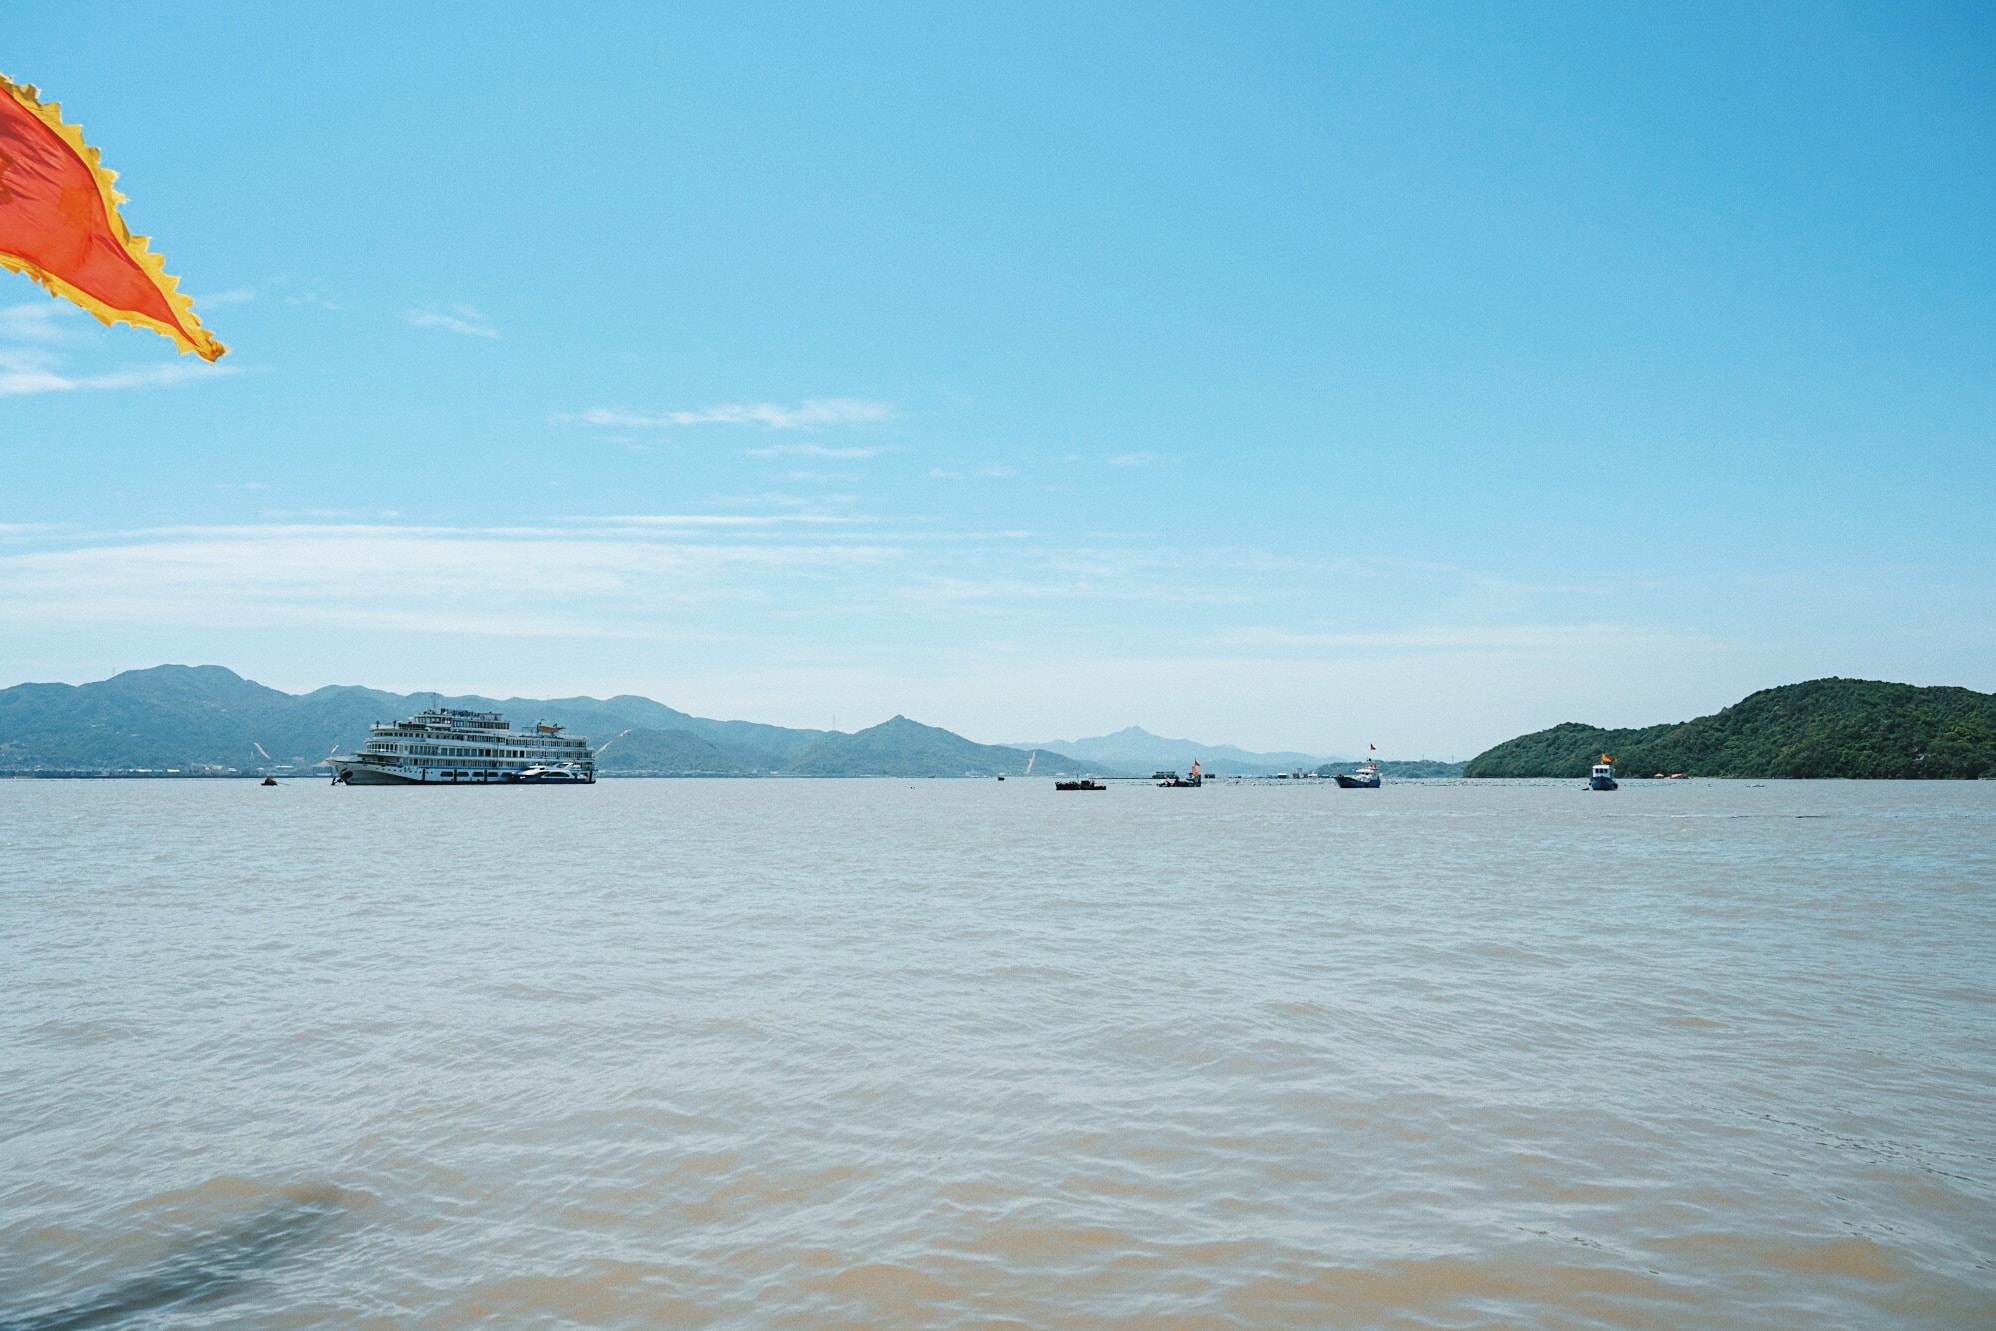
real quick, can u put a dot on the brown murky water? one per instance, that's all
(970, 1054)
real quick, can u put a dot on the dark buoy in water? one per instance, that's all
(269, 781)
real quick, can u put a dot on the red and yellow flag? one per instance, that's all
(59, 224)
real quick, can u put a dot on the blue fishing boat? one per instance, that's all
(1364, 777)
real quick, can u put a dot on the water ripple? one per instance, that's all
(963, 1054)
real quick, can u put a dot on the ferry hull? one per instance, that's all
(356, 774)
(366, 774)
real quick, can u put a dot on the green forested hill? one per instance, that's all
(900, 747)
(1414, 768)
(1856, 728)
(641, 752)
(205, 719)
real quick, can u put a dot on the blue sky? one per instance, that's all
(1291, 377)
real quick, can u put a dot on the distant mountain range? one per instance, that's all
(1856, 728)
(209, 720)
(1135, 749)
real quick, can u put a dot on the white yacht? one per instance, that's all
(447, 746)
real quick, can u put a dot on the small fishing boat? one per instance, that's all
(1079, 785)
(1603, 775)
(268, 781)
(1173, 781)
(1363, 777)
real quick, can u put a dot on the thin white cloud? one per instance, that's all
(464, 320)
(1533, 638)
(30, 531)
(716, 519)
(37, 321)
(810, 451)
(769, 415)
(530, 581)
(31, 371)
(233, 296)
(1143, 459)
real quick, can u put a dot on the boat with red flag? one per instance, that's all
(1365, 776)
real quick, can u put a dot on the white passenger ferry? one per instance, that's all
(450, 747)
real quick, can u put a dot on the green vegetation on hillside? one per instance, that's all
(1855, 728)
(1404, 769)
(900, 747)
(205, 720)
(640, 752)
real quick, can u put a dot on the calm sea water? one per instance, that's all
(975, 1054)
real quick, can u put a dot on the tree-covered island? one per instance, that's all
(1857, 728)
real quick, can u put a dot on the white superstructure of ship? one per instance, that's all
(448, 746)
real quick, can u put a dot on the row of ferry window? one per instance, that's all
(487, 753)
(450, 763)
(428, 749)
